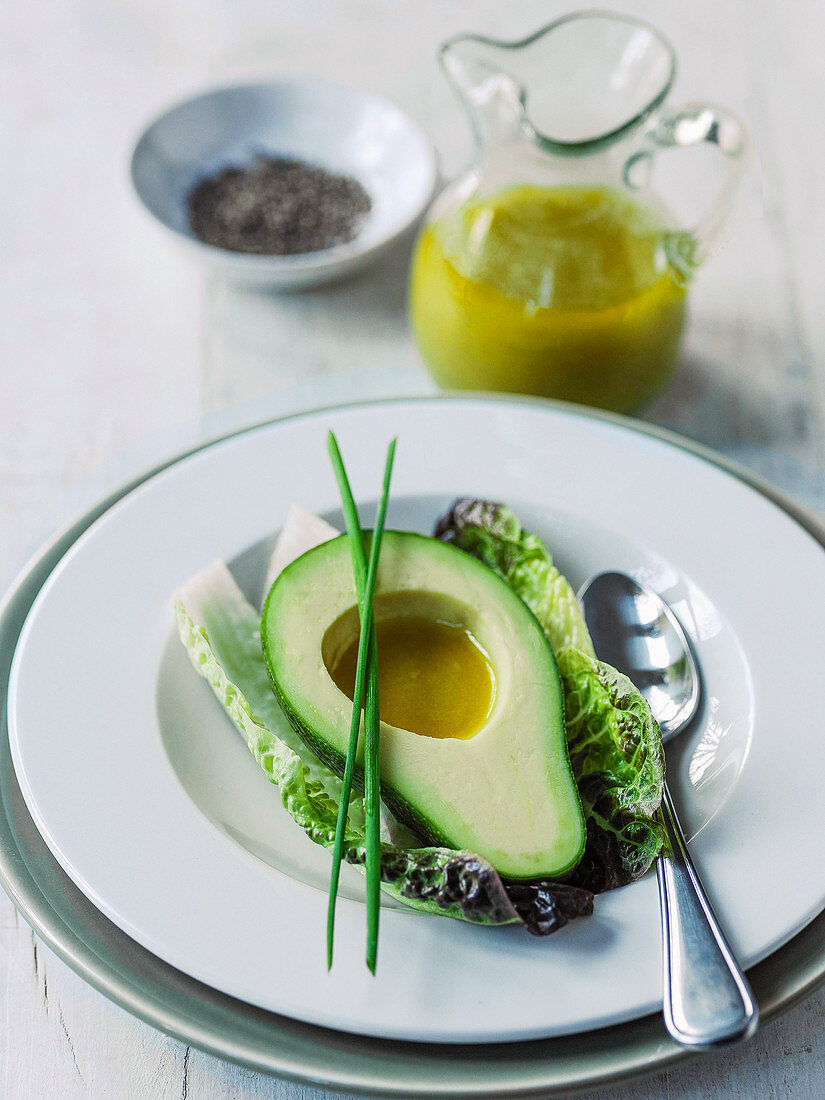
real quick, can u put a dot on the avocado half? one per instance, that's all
(506, 793)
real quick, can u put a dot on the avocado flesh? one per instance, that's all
(506, 793)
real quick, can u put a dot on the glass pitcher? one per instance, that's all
(553, 265)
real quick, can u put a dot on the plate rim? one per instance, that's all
(802, 959)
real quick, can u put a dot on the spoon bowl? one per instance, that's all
(634, 630)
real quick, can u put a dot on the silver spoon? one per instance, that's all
(707, 999)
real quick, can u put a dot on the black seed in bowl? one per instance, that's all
(277, 207)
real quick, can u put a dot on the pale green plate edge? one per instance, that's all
(168, 999)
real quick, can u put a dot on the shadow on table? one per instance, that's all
(711, 402)
(769, 429)
(257, 341)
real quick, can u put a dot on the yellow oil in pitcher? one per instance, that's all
(564, 292)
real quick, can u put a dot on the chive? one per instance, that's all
(366, 676)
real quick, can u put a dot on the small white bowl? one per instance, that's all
(320, 123)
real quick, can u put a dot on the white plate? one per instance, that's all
(147, 798)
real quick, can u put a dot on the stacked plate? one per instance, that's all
(141, 841)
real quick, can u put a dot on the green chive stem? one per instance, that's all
(366, 692)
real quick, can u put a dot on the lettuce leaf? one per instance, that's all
(221, 633)
(493, 534)
(615, 749)
(614, 742)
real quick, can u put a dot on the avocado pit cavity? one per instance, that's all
(434, 677)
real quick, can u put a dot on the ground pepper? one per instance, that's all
(277, 207)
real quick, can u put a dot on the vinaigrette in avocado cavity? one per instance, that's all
(435, 679)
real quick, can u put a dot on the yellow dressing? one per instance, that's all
(433, 677)
(564, 292)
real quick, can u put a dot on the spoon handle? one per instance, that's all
(707, 999)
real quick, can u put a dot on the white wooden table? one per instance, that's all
(107, 336)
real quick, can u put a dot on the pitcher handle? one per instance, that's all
(682, 127)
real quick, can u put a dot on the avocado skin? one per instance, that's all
(408, 814)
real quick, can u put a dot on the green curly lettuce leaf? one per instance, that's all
(616, 753)
(493, 534)
(221, 633)
(614, 742)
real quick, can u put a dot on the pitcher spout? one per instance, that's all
(577, 84)
(492, 97)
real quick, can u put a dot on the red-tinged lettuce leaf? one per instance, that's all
(465, 886)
